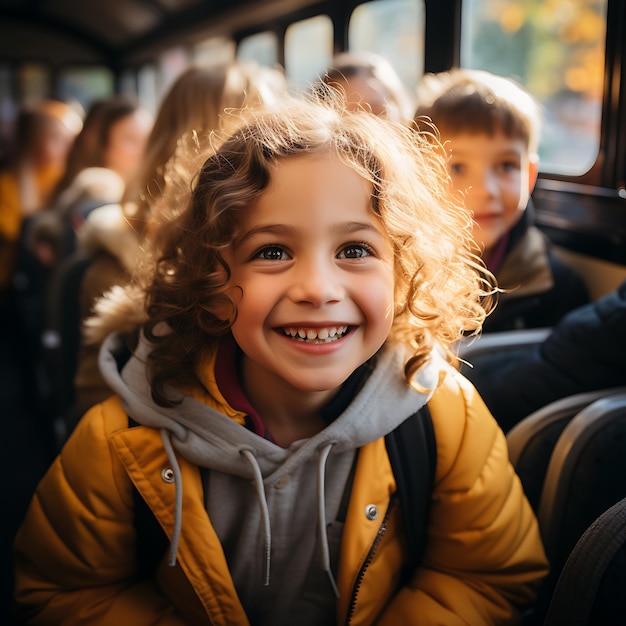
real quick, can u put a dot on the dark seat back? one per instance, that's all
(586, 475)
(532, 440)
(61, 339)
(590, 589)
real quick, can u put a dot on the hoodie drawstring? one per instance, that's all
(265, 513)
(178, 485)
(321, 515)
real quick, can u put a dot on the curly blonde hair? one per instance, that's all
(442, 290)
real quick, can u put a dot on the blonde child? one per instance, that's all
(368, 81)
(491, 127)
(113, 235)
(44, 135)
(299, 309)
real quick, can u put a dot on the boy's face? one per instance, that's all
(312, 277)
(497, 176)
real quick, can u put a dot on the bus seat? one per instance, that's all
(532, 440)
(586, 475)
(61, 340)
(489, 351)
(590, 589)
(502, 341)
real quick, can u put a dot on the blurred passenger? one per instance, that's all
(48, 234)
(113, 235)
(584, 352)
(491, 127)
(44, 134)
(104, 157)
(369, 81)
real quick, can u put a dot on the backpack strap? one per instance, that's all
(412, 453)
(151, 541)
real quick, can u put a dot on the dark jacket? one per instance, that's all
(539, 288)
(584, 352)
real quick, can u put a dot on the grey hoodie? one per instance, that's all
(272, 504)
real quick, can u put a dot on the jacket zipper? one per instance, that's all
(368, 559)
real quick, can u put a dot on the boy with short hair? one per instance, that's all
(491, 128)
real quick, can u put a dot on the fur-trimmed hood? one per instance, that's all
(121, 309)
(91, 188)
(93, 182)
(107, 230)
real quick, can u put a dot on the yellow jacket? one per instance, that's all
(482, 564)
(10, 225)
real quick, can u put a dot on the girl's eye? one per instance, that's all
(457, 168)
(355, 251)
(271, 253)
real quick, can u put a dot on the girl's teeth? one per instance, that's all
(320, 334)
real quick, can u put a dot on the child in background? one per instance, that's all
(113, 235)
(43, 138)
(369, 81)
(491, 127)
(44, 134)
(301, 307)
(104, 157)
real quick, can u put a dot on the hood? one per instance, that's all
(121, 309)
(205, 435)
(106, 229)
(209, 433)
(98, 183)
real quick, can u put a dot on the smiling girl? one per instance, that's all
(300, 307)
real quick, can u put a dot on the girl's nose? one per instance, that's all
(316, 282)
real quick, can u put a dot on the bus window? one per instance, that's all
(85, 84)
(128, 83)
(308, 50)
(8, 111)
(556, 50)
(171, 64)
(147, 87)
(260, 47)
(34, 82)
(215, 50)
(394, 29)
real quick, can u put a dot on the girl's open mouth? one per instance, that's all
(316, 335)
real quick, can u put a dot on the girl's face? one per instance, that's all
(53, 145)
(126, 143)
(312, 277)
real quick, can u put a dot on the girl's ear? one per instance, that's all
(226, 310)
(533, 171)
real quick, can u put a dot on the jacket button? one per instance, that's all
(371, 511)
(167, 475)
